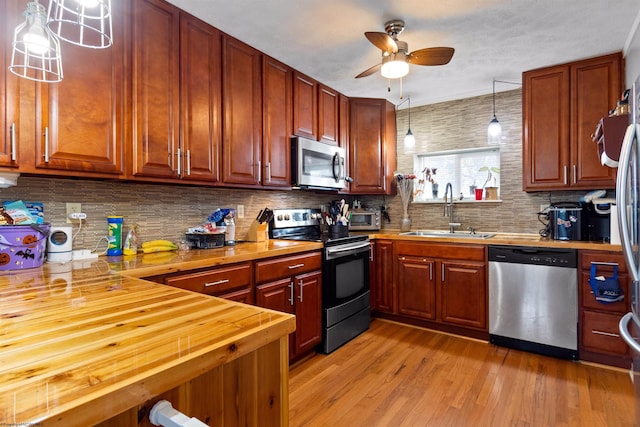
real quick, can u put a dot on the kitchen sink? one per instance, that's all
(444, 233)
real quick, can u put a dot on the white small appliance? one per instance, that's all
(60, 244)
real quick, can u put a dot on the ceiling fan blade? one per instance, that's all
(431, 56)
(369, 71)
(382, 41)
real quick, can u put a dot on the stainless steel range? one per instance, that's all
(345, 274)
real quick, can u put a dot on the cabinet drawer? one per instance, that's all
(278, 268)
(600, 333)
(587, 257)
(214, 282)
(589, 301)
(448, 251)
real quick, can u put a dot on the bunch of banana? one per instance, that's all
(158, 246)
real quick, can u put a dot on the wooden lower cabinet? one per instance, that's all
(293, 284)
(381, 276)
(444, 284)
(233, 282)
(599, 336)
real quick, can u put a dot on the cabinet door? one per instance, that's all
(596, 85)
(308, 293)
(546, 128)
(277, 295)
(416, 287)
(156, 79)
(201, 100)
(277, 116)
(371, 146)
(463, 293)
(305, 106)
(328, 115)
(82, 117)
(242, 117)
(10, 14)
(382, 276)
(343, 139)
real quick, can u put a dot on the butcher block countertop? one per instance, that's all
(79, 351)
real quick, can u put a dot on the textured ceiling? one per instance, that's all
(493, 38)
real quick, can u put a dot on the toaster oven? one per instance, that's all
(365, 219)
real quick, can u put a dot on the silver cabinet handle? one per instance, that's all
(371, 254)
(291, 292)
(179, 162)
(259, 171)
(430, 272)
(575, 174)
(291, 267)
(565, 175)
(268, 171)
(608, 334)
(442, 268)
(13, 142)
(46, 144)
(188, 162)
(624, 332)
(219, 282)
(300, 284)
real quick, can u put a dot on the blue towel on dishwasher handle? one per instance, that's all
(605, 289)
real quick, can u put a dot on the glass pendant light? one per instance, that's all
(85, 23)
(36, 51)
(409, 139)
(494, 131)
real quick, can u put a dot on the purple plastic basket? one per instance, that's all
(23, 246)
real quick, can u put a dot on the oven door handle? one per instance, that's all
(331, 251)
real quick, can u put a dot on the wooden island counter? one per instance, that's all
(103, 348)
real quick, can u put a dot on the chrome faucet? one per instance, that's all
(448, 207)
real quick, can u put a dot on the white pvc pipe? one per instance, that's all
(163, 414)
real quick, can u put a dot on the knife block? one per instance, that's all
(258, 232)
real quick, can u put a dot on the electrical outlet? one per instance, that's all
(240, 211)
(73, 208)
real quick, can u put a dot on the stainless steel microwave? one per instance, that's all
(365, 219)
(316, 165)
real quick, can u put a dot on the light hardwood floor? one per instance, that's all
(397, 375)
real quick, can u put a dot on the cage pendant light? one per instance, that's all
(36, 51)
(85, 23)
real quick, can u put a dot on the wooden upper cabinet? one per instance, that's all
(328, 115)
(80, 120)
(201, 100)
(561, 109)
(242, 107)
(10, 14)
(305, 106)
(372, 146)
(343, 135)
(277, 123)
(156, 88)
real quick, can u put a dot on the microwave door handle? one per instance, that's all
(629, 141)
(335, 161)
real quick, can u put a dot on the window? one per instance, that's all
(464, 169)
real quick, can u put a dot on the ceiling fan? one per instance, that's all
(395, 53)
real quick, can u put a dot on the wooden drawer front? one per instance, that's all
(587, 257)
(278, 268)
(589, 301)
(215, 282)
(600, 333)
(448, 251)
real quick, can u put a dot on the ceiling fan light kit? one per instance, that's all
(395, 53)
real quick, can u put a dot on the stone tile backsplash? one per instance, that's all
(166, 211)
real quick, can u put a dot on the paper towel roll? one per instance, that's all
(614, 232)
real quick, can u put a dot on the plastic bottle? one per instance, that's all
(115, 235)
(230, 233)
(131, 241)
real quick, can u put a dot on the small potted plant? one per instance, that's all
(430, 176)
(491, 191)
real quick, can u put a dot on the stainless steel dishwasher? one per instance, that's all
(533, 299)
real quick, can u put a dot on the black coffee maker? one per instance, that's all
(596, 220)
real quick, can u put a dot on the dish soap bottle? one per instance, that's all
(131, 241)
